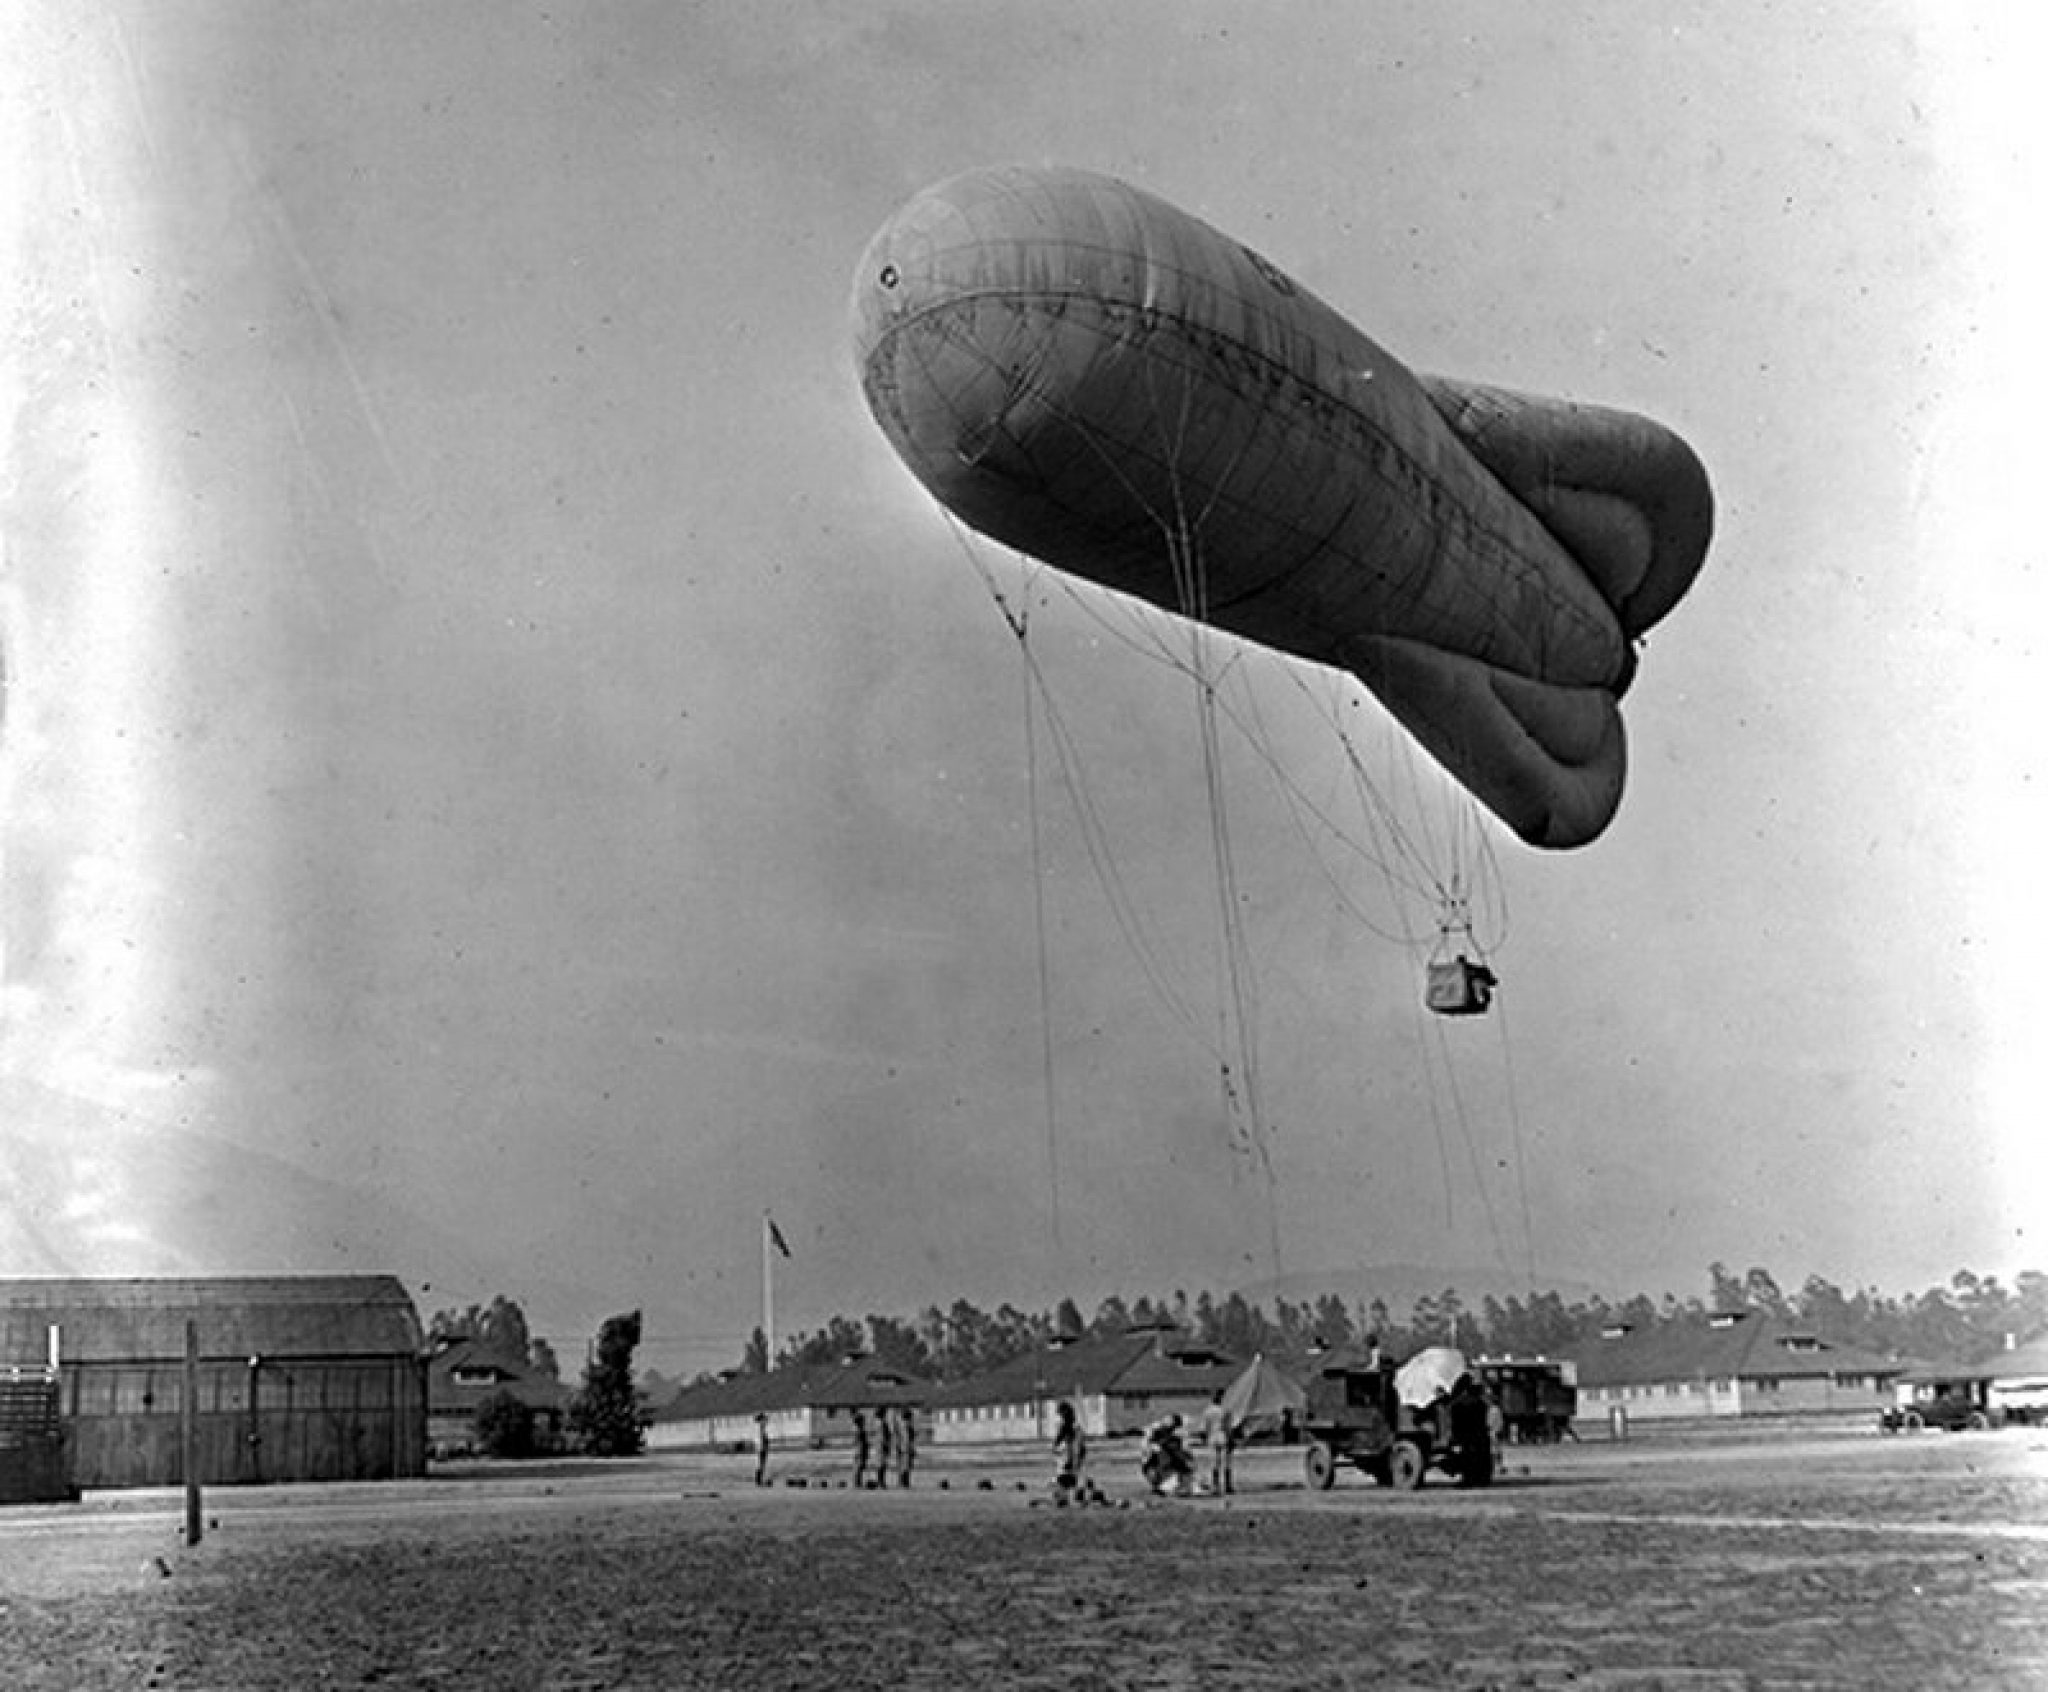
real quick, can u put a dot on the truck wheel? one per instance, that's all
(1319, 1465)
(1406, 1464)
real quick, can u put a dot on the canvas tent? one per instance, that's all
(1261, 1397)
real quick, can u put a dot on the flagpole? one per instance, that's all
(768, 1286)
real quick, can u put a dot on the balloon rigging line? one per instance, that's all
(1136, 630)
(1424, 882)
(1241, 1097)
(1123, 906)
(1464, 1122)
(1052, 1138)
(1241, 1094)
(1381, 816)
(1239, 1003)
(1507, 1059)
(1378, 811)
(1240, 1089)
(1434, 1034)
(1137, 633)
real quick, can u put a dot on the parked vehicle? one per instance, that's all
(1356, 1415)
(1951, 1411)
(1537, 1397)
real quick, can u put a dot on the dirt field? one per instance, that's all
(1841, 1561)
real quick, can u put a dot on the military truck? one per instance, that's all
(1363, 1410)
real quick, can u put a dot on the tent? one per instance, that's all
(1260, 1396)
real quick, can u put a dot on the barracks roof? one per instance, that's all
(1731, 1345)
(1139, 1361)
(864, 1383)
(2027, 1362)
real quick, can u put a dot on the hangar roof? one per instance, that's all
(133, 1321)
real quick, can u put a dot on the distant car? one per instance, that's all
(1950, 1411)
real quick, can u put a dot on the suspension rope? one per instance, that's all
(1124, 909)
(1237, 1010)
(1471, 1145)
(1021, 624)
(1507, 1059)
(1403, 836)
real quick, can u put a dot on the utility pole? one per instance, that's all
(188, 1432)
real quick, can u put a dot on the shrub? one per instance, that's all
(504, 1426)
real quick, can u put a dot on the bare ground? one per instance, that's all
(1844, 1561)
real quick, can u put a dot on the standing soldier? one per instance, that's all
(760, 1448)
(860, 1451)
(1216, 1435)
(885, 1425)
(906, 1445)
(1069, 1452)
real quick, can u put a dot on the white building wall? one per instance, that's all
(979, 1424)
(1749, 1396)
(797, 1429)
(2020, 1394)
(1658, 1402)
(1030, 1421)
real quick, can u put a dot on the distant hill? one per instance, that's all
(1399, 1285)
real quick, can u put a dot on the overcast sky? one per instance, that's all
(506, 778)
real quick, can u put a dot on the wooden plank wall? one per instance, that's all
(357, 1418)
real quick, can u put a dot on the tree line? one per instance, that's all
(1968, 1317)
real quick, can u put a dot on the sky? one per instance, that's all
(506, 779)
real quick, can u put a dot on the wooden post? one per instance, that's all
(252, 1441)
(189, 1432)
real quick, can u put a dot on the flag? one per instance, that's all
(775, 1236)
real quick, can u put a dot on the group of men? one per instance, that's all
(893, 1451)
(1169, 1466)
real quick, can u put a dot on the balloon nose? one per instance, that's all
(881, 290)
(909, 264)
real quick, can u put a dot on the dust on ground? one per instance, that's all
(1840, 1561)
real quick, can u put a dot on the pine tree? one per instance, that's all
(605, 1417)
